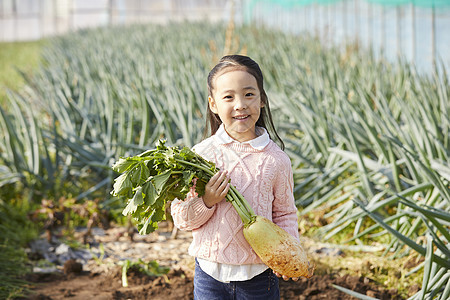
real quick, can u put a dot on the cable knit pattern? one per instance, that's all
(265, 179)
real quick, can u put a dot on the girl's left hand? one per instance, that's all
(284, 276)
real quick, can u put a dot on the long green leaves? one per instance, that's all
(388, 125)
(101, 94)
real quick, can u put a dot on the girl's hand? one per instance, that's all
(285, 277)
(216, 189)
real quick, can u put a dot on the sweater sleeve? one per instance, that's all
(284, 211)
(191, 213)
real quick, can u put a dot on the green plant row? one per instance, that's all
(369, 140)
(366, 134)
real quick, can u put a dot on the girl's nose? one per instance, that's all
(239, 103)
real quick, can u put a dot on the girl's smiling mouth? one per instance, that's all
(242, 117)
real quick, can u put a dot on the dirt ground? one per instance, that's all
(179, 285)
(88, 282)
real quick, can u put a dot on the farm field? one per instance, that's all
(103, 280)
(368, 140)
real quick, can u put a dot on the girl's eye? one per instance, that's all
(249, 94)
(228, 97)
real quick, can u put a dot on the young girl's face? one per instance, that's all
(236, 99)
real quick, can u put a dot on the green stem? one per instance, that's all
(125, 268)
(240, 210)
(203, 168)
(238, 201)
(241, 198)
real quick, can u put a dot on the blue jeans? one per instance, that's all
(261, 287)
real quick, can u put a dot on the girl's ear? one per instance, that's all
(212, 104)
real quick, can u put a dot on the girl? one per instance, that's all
(239, 117)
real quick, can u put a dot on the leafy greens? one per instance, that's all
(150, 179)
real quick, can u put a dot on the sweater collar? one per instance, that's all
(258, 143)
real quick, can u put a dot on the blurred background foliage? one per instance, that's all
(368, 139)
(17, 57)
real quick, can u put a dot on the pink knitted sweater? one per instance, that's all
(264, 177)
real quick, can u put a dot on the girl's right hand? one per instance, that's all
(216, 189)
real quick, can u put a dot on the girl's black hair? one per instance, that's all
(243, 63)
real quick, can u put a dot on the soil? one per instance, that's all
(98, 281)
(179, 285)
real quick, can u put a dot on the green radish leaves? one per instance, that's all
(123, 164)
(134, 203)
(151, 179)
(122, 185)
(161, 180)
